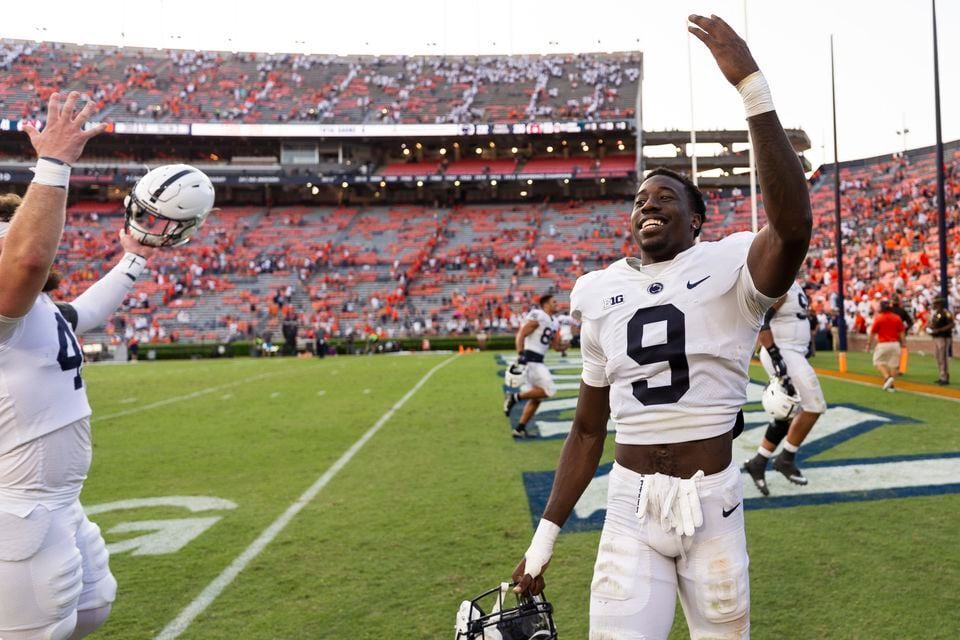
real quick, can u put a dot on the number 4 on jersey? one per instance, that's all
(68, 343)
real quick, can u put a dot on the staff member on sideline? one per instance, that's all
(888, 330)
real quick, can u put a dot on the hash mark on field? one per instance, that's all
(275, 394)
(366, 391)
(321, 392)
(189, 396)
(213, 590)
(226, 396)
(128, 401)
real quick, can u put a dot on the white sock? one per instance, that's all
(766, 453)
(790, 447)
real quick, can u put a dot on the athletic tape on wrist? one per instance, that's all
(51, 172)
(4, 227)
(756, 94)
(541, 548)
(132, 265)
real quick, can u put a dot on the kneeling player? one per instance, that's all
(784, 338)
(538, 333)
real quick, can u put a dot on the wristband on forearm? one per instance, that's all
(541, 548)
(51, 172)
(756, 94)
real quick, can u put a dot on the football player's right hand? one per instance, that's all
(63, 137)
(525, 583)
(776, 358)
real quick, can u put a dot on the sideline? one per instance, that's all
(221, 582)
(917, 388)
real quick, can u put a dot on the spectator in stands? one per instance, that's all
(888, 331)
(941, 327)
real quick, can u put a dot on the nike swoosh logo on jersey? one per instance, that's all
(691, 285)
(727, 513)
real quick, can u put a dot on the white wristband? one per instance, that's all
(52, 173)
(541, 548)
(132, 265)
(756, 94)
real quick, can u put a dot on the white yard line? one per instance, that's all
(221, 582)
(188, 396)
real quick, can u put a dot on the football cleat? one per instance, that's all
(888, 384)
(789, 469)
(509, 402)
(780, 399)
(530, 617)
(757, 468)
(520, 433)
(168, 205)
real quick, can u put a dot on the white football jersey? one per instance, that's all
(541, 339)
(790, 324)
(673, 340)
(41, 389)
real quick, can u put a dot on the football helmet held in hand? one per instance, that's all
(515, 375)
(530, 619)
(780, 399)
(168, 205)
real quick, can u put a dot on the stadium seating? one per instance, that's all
(410, 270)
(149, 85)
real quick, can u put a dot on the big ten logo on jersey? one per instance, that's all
(612, 300)
(841, 480)
(160, 537)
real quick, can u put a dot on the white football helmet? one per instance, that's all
(529, 617)
(780, 399)
(515, 375)
(168, 205)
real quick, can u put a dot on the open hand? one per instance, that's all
(728, 49)
(63, 137)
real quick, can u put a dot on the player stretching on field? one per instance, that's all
(55, 581)
(538, 332)
(784, 339)
(666, 341)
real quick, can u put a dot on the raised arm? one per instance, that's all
(779, 249)
(31, 242)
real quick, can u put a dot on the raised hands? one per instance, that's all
(63, 137)
(728, 49)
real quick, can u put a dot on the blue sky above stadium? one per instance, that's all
(883, 47)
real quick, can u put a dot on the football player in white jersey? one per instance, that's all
(666, 341)
(538, 333)
(785, 340)
(55, 582)
(567, 324)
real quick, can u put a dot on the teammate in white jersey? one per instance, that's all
(538, 333)
(666, 341)
(785, 341)
(567, 324)
(55, 582)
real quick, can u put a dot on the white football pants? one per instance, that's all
(640, 567)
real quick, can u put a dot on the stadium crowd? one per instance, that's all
(130, 84)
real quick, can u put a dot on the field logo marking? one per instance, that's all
(831, 481)
(166, 536)
(221, 582)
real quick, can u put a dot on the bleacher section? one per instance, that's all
(150, 85)
(415, 270)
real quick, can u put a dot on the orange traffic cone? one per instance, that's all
(461, 349)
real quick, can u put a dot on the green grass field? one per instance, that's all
(433, 509)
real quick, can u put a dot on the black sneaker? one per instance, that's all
(519, 434)
(757, 468)
(789, 469)
(509, 402)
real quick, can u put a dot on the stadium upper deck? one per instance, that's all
(177, 86)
